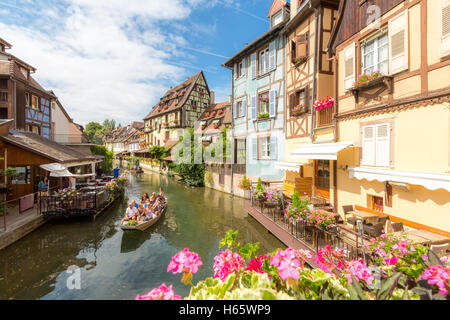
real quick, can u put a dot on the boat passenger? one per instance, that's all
(161, 193)
(153, 198)
(131, 212)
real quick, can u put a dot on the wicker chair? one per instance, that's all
(350, 220)
(440, 250)
(397, 227)
(375, 230)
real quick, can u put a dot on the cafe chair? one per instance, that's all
(440, 250)
(374, 231)
(397, 227)
(346, 210)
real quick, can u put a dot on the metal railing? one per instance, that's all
(311, 236)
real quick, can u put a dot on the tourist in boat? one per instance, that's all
(142, 214)
(130, 214)
(153, 198)
(161, 193)
(145, 196)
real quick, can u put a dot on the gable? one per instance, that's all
(276, 6)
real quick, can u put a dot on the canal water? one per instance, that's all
(113, 264)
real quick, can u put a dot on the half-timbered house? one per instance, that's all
(178, 109)
(392, 84)
(22, 98)
(309, 78)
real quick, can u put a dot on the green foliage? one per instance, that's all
(132, 223)
(92, 129)
(158, 152)
(384, 292)
(229, 240)
(319, 285)
(296, 199)
(10, 172)
(109, 125)
(193, 174)
(107, 164)
(249, 251)
(259, 185)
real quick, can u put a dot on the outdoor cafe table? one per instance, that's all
(366, 217)
(415, 239)
(432, 238)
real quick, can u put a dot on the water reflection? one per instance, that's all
(116, 264)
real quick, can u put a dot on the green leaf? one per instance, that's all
(434, 259)
(356, 286)
(387, 287)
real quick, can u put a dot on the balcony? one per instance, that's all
(324, 118)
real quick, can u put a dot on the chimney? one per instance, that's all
(213, 96)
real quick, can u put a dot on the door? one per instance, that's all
(322, 178)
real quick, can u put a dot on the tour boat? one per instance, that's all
(142, 226)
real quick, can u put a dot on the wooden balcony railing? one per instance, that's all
(324, 117)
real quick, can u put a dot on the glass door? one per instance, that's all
(322, 178)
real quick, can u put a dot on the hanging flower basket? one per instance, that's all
(194, 107)
(165, 107)
(213, 114)
(203, 127)
(165, 124)
(216, 125)
(328, 102)
(159, 110)
(206, 114)
(175, 121)
(220, 112)
(298, 110)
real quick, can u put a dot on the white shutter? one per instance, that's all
(272, 56)
(383, 137)
(253, 107)
(445, 27)
(349, 66)
(368, 145)
(235, 110)
(272, 103)
(273, 148)
(253, 66)
(255, 148)
(235, 71)
(244, 107)
(398, 43)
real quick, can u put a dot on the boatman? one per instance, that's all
(116, 172)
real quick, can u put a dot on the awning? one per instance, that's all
(324, 151)
(59, 170)
(431, 181)
(289, 166)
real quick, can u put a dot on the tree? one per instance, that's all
(107, 164)
(109, 125)
(192, 173)
(93, 129)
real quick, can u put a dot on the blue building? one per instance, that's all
(258, 99)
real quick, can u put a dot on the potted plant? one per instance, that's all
(274, 198)
(298, 110)
(366, 78)
(263, 115)
(259, 193)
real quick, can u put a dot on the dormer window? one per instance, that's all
(24, 72)
(277, 18)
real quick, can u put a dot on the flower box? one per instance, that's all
(220, 112)
(263, 116)
(328, 102)
(213, 114)
(175, 121)
(216, 126)
(298, 61)
(194, 107)
(263, 99)
(165, 124)
(298, 110)
(369, 81)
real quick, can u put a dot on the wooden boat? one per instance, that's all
(136, 171)
(142, 226)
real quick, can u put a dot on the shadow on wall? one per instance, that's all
(421, 194)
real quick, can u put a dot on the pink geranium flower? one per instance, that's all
(161, 293)
(184, 261)
(227, 262)
(359, 270)
(289, 262)
(256, 265)
(438, 276)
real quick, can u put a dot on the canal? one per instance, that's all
(119, 265)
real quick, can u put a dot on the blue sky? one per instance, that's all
(115, 58)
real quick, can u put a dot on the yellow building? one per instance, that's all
(309, 78)
(395, 119)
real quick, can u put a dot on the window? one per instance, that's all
(375, 55)
(24, 72)
(264, 148)
(277, 19)
(375, 203)
(445, 27)
(23, 176)
(297, 100)
(300, 48)
(27, 99)
(34, 102)
(264, 61)
(376, 145)
(3, 96)
(323, 174)
(240, 69)
(241, 151)
(349, 66)
(263, 104)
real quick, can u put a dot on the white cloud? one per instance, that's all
(97, 58)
